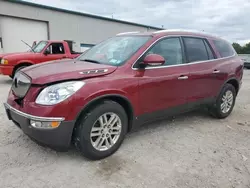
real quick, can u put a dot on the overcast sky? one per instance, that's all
(227, 18)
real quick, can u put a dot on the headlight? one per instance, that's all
(59, 92)
(4, 61)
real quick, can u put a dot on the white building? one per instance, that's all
(31, 22)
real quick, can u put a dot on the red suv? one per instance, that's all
(121, 83)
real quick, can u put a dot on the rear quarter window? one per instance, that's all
(225, 49)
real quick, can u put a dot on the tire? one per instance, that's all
(217, 109)
(82, 134)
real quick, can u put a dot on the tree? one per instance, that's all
(237, 48)
(241, 49)
(246, 48)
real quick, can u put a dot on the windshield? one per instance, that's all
(114, 51)
(39, 47)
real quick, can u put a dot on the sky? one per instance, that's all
(226, 18)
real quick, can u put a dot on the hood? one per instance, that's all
(16, 55)
(6, 54)
(65, 70)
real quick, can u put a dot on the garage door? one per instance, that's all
(13, 30)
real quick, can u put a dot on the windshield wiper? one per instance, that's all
(91, 60)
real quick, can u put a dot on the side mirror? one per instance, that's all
(153, 60)
(46, 52)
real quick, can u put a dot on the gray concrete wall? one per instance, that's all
(69, 26)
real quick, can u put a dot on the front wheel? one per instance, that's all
(101, 131)
(16, 71)
(224, 102)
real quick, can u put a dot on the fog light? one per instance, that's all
(55, 124)
(44, 124)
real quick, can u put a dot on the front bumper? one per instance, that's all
(57, 138)
(6, 70)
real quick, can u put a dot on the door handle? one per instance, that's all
(182, 77)
(216, 71)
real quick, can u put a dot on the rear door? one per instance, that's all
(225, 66)
(202, 66)
(53, 52)
(163, 88)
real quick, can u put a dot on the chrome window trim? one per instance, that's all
(166, 66)
(31, 117)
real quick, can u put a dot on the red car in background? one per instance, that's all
(43, 51)
(121, 83)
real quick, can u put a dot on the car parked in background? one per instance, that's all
(247, 65)
(246, 59)
(122, 83)
(40, 52)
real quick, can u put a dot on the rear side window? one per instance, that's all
(195, 49)
(224, 48)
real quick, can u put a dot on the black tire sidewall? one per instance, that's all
(18, 69)
(219, 112)
(88, 120)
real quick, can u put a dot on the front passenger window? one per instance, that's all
(169, 49)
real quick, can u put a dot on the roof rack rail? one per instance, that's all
(131, 32)
(186, 30)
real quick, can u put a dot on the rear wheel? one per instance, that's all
(101, 131)
(224, 102)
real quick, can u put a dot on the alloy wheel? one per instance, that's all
(105, 131)
(227, 101)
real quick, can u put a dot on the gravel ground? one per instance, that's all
(191, 150)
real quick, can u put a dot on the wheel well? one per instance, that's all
(120, 100)
(20, 65)
(235, 84)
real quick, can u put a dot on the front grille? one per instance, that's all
(20, 85)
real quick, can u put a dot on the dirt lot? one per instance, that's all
(192, 150)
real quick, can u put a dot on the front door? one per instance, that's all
(163, 88)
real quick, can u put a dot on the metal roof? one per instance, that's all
(80, 13)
